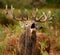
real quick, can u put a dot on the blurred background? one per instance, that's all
(30, 3)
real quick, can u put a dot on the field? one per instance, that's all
(9, 36)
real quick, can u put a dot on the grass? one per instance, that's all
(6, 33)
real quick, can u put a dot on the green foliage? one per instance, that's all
(1, 4)
(2, 46)
(43, 45)
(30, 3)
(5, 34)
(2, 35)
(6, 21)
(1, 49)
(3, 18)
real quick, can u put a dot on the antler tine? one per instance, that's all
(44, 16)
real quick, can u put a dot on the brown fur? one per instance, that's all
(29, 42)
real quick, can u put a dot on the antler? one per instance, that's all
(44, 16)
(40, 19)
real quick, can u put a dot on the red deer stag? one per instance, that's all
(30, 41)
